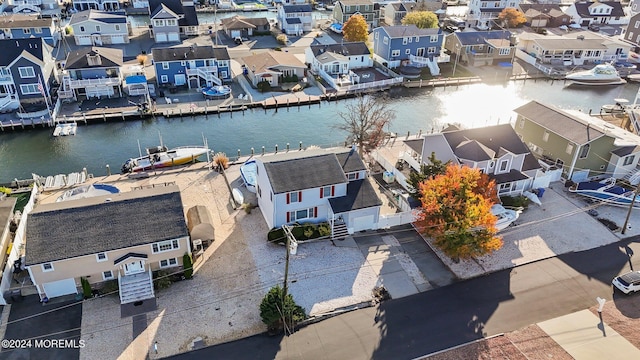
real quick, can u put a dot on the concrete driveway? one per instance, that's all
(30, 319)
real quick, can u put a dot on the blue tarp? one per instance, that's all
(135, 79)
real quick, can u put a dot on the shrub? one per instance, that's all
(308, 232)
(5, 190)
(515, 201)
(275, 309)
(282, 39)
(142, 58)
(86, 288)
(187, 265)
(264, 86)
(68, 30)
(220, 160)
(324, 229)
(162, 280)
(277, 49)
(248, 207)
(276, 235)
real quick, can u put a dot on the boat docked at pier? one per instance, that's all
(607, 191)
(601, 74)
(65, 129)
(162, 157)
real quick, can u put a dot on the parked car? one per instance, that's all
(542, 31)
(451, 28)
(594, 27)
(629, 282)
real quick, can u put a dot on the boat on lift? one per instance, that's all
(601, 74)
(617, 108)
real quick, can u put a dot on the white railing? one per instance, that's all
(410, 160)
(207, 73)
(76, 84)
(374, 84)
(419, 60)
(27, 2)
(5, 101)
(405, 217)
(138, 91)
(6, 80)
(65, 94)
(400, 178)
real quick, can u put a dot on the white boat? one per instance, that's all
(606, 190)
(617, 108)
(65, 129)
(237, 196)
(161, 157)
(601, 74)
(505, 216)
(248, 172)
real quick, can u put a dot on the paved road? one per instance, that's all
(448, 316)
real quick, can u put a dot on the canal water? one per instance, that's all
(96, 145)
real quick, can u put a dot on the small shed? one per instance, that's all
(199, 224)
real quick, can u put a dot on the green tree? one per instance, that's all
(421, 19)
(427, 171)
(187, 265)
(356, 29)
(364, 120)
(457, 212)
(511, 17)
(86, 288)
(276, 311)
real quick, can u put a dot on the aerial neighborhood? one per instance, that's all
(189, 250)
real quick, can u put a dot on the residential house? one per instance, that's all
(24, 64)
(273, 67)
(407, 44)
(632, 32)
(582, 145)
(92, 72)
(544, 15)
(634, 7)
(22, 26)
(171, 19)
(482, 14)
(7, 236)
(294, 17)
(106, 5)
(597, 12)
(345, 8)
(97, 28)
(241, 26)
(98, 242)
(49, 8)
(316, 186)
(140, 4)
(396, 11)
(496, 150)
(480, 48)
(585, 47)
(193, 66)
(336, 62)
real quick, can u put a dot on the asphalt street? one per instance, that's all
(444, 317)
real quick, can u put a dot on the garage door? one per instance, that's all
(362, 223)
(538, 22)
(60, 287)
(117, 39)
(161, 37)
(83, 40)
(174, 37)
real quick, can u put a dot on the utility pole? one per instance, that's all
(290, 237)
(633, 200)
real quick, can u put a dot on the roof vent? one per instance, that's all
(107, 200)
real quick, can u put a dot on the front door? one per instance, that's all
(134, 267)
(192, 64)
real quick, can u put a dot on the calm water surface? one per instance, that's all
(37, 151)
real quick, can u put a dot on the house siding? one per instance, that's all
(27, 98)
(310, 199)
(107, 31)
(45, 34)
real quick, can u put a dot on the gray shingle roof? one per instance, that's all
(181, 52)
(511, 176)
(415, 144)
(12, 48)
(16, 21)
(491, 137)
(360, 195)
(109, 58)
(297, 8)
(559, 122)
(399, 31)
(350, 161)
(174, 5)
(304, 173)
(190, 17)
(582, 8)
(100, 16)
(347, 49)
(70, 229)
(481, 37)
(473, 150)
(626, 150)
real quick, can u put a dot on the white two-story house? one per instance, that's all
(316, 186)
(597, 12)
(335, 62)
(483, 13)
(294, 17)
(93, 27)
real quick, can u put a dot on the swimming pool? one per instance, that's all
(217, 92)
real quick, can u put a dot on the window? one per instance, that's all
(584, 151)
(545, 136)
(503, 188)
(407, 51)
(183, 63)
(504, 165)
(46, 267)
(433, 38)
(107, 275)
(158, 22)
(101, 257)
(569, 148)
(117, 27)
(521, 123)
(431, 50)
(165, 246)
(628, 160)
(375, 36)
(81, 28)
(26, 72)
(504, 51)
(164, 79)
(98, 28)
(168, 262)
(395, 53)
(38, 30)
(385, 40)
(223, 74)
(327, 191)
(26, 31)
(404, 41)
(294, 197)
(353, 176)
(165, 66)
(302, 214)
(29, 89)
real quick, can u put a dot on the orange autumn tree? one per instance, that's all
(457, 212)
(356, 29)
(511, 17)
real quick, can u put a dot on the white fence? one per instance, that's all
(374, 84)
(400, 178)
(405, 217)
(16, 249)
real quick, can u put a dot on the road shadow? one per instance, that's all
(266, 346)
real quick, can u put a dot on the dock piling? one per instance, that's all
(108, 170)
(300, 146)
(252, 152)
(263, 150)
(287, 147)
(238, 153)
(276, 148)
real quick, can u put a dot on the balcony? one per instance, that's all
(27, 2)
(6, 80)
(107, 81)
(207, 69)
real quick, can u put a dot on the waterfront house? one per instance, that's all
(22, 26)
(597, 12)
(106, 5)
(581, 145)
(93, 238)
(294, 17)
(396, 11)
(7, 236)
(274, 67)
(97, 28)
(479, 48)
(335, 62)
(315, 186)
(367, 8)
(483, 14)
(544, 15)
(496, 150)
(407, 45)
(585, 47)
(25, 63)
(171, 19)
(92, 72)
(140, 4)
(241, 26)
(632, 32)
(191, 66)
(50, 8)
